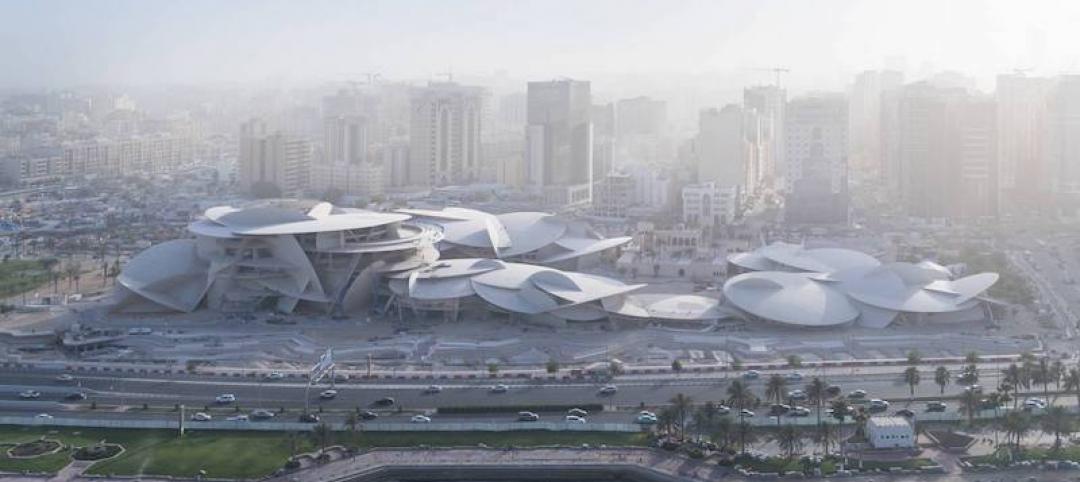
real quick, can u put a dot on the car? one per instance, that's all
(1034, 404)
(328, 394)
(368, 415)
(500, 388)
(973, 388)
(878, 405)
(646, 412)
(238, 418)
(75, 396)
(793, 377)
(225, 398)
(751, 375)
(275, 376)
(420, 419)
(778, 409)
(261, 414)
(799, 412)
(309, 418)
(796, 395)
(608, 390)
(201, 417)
(646, 419)
(936, 406)
(385, 401)
(723, 410)
(857, 394)
(44, 416)
(832, 390)
(29, 394)
(746, 413)
(987, 404)
(574, 419)
(578, 412)
(528, 417)
(905, 412)
(433, 389)
(66, 377)
(966, 378)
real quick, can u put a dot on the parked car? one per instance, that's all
(793, 377)
(201, 417)
(528, 417)
(420, 419)
(906, 413)
(225, 398)
(646, 419)
(936, 406)
(578, 412)
(608, 390)
(878, 405)
(832, 390)
(857, 394)
(778, 409)
(799, 412)
(309, 418)
(796, 395)
(368, 415)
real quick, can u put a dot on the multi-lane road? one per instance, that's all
(160, 392)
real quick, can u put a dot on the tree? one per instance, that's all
(1057, 372)
(1057, 422)
(745, 434)
(1072, 384)
(1016, 426)
(972, 358)
(794, 361)
(914, 357)
(723, 432)
(706, 417)
(840, 409)
(1013, 377)
(682, 405)
(352, 421)
(615, 368)
(552, 367)
(826, 436)
(789, 441)
(969, 403)
(942, 378)
(493, 369)
(676, 366)
(739, 396)
(666, 418)
(72, 270)
(817, 393)
(912, 379)
(776, 388)
(322, 433)
(1041, 373)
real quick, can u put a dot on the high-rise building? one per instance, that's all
(865, 119)
(559, 142)
(604, 119)
(947, 153)
(816, 149)
(765, 106)
(1063, 138)
(1023, 177)
(640, 116)
(444, 134)
(722, 147)
(272, 163)
(345, 139)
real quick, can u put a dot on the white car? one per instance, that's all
(578, 412)
(225, 398)
(44, 416)
(793, 377)
(746, 413)
(328, 394)
(66, 377)
(275, 376)
(797, 395)
(751, 375)
(723, 409)
(238, 418)
(29, 394)
(262, 414)
(201, 417)
(433, 389)
(574, 419)
(646, 419)
(609, 390)
(420, 419)
(500, 388)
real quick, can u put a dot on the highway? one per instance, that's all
(162, 392)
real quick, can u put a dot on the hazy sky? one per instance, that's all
(56, 43)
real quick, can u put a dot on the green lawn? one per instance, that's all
(17, 276)
(1067, 452)
(256, 454)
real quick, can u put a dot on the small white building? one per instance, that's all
(709, 204)
(890, 433)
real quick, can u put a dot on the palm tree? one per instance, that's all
(1072, 384)
(942, 377)
(322, 433)
(972, 358)
(745, 433)
(1016, 425)
(739, 396)
(914, 357)
(816, 392)
(826, 435)
(723, 432)
(794, 361)
(682, 405)
(1013, 376)
(1057, 422)
(776, 388)
(969, 403)
(705, 418)
(666, 418)
(789, 441)
(552, 367)
(1057, 371)
(840, 409)
(912, 379)
(72, 270)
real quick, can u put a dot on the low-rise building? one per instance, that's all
(890, 433)
(709, 204)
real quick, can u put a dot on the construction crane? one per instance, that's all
(776, 71)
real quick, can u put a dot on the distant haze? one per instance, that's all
(52, 43)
